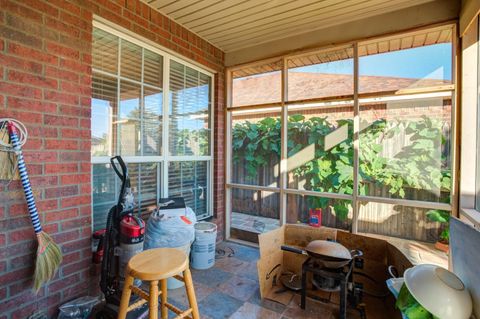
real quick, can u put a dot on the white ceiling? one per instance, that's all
(237, 24)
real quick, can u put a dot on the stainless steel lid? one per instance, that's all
(329, 249)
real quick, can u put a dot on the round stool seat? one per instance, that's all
(157, 264)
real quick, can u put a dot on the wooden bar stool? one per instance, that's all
(157, 265)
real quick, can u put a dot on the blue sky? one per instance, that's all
(433, 62)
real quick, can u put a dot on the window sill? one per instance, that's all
(471, 215)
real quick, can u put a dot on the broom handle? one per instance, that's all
(27, 188)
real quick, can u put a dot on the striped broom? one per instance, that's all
(49, 255)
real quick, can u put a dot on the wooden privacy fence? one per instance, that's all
(377, 218)
(385, 219)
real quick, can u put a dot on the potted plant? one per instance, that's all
(442, 217)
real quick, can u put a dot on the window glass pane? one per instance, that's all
(104, 190)
(323, 74)
(253, 213)
(145, 184)
(104, 108)
(131, 61)
(336, 213)
(153, 68)
(189, 111)
(144, 179)
(320, 147)
(129, 119)
(129, 100)
(153, 103)
(190, 181)
(202, 116)
(104, 51)
(399, 221)
(256, 147)
(259, 84)
(405, 62)
(405, 145)
(152, 121)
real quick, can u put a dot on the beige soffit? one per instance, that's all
(470, 10)
(426, 14)
(235, 24)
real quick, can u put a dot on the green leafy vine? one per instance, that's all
(420, 166)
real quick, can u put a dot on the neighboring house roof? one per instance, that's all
(307, 85)
(97, 140)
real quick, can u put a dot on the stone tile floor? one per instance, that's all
(230, 290)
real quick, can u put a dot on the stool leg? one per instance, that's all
(153, 302)
(126, 293)
(187, 276)
(163, 285)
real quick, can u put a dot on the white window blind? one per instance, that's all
(159, 123)
(189, 111)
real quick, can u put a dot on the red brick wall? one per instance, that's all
(45, 78)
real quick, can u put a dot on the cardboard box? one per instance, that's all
(378, 254)
(274, 261)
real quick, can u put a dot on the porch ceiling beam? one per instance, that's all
(470, 9)
(413, 17)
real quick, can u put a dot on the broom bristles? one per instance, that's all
(49, 257)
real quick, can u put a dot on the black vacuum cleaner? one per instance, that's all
(122, 238)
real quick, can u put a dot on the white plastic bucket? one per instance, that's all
(173, 283)
(203, 248)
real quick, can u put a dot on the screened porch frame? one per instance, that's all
(284, 104)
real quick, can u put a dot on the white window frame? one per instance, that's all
(284, 104)
(164, 159)
(470, 120)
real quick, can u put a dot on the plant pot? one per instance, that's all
(442, 246)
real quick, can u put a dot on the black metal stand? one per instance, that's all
(342, 276)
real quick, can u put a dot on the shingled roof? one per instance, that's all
(307, 85)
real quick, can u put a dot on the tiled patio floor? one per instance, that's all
(230, 290)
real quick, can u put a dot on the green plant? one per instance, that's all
(331, 170)
(419, 166)
(443, 217)
(256, 143)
